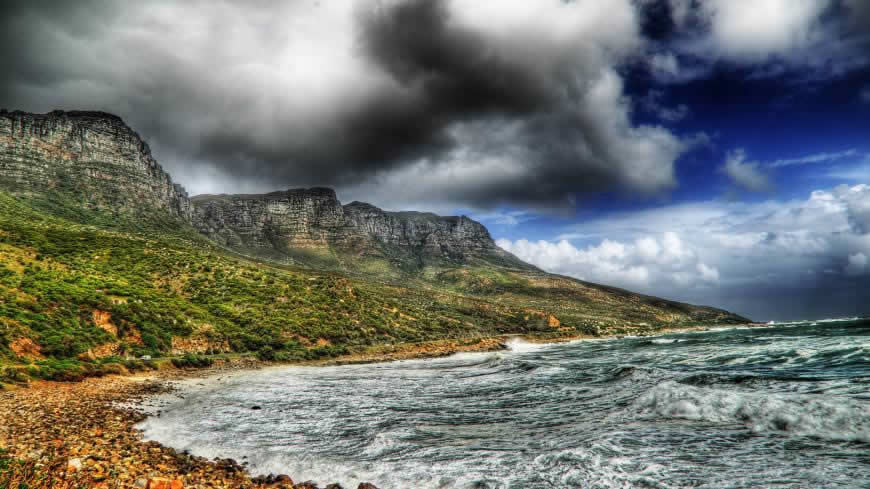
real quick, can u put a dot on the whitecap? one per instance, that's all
(666, 341)
(517, 345)
(828, 418)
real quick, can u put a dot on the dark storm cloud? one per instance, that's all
(397, 87)
(30, 32)
(455, 69)
(447, 80)
(858, 13)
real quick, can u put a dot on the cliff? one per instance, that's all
(92, 156)
(73, 287)
(314, 218)
(280, 220)
(103, 164)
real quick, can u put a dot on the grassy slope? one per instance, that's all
(504, 280)
(153, 279)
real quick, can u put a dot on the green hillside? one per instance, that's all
(82, 284)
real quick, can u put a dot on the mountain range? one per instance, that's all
(101, 254)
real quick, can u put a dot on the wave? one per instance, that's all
(708, 379)
(517, 345)
(828, 418)
(635, 374)
(603, 465)
(666, 341)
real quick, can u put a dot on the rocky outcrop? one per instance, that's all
(314, 218)
(102, 163)
(94, 156)
(292, 219)
(451, 237)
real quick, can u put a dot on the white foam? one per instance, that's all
(823, 417)
(603, 465)
(518, 345)
(666, 341)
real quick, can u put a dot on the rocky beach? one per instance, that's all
(105, 261)
(82, 434)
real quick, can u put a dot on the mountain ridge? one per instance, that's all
(87, 149)
(315, 218)
(102, 253)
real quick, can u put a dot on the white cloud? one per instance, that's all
(492, 162)
(664, 66)
(681, 10)
(775, 37)
(708, 273)
(642, 263)
(857, 172)
(857, 200)
(302, 93)
(653, 104)
(503, 218)
(757, 29)
(815, 158)
(745, 173)
(857, 264)
(772, 259)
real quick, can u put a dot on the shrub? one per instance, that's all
(134, 365)
(113, 369)
(58, 370)
(191, 360)
(12, 375)
(267, 353)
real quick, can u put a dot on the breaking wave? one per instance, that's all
(792, 415)
(782, 406)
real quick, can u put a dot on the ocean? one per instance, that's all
(783, 406)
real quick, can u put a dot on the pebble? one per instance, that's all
(77, 433)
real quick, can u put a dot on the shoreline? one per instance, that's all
(69, 434)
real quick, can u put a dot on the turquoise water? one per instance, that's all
(782, 406)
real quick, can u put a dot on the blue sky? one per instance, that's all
(797, 130)
(712, 151)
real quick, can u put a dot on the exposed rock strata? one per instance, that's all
(295, 218)
(96, 158)
(313, 218)
(92, 155)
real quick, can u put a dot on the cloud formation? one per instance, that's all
(815, 158)
(653, 103)
(477, 102)
(807, 39)
(769, 260)
(746, 174)
(663, 260)
(762, 28)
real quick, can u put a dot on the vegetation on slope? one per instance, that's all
(72, 288)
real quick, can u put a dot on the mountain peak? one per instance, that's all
(282, 223)
(93, 156)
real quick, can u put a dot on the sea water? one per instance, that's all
(784, 406)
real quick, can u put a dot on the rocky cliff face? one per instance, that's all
(100, 161)
(312, 218)
(91, 155)
(300, 218)
(450, 237)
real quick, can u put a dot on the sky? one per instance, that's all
(710, 151)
